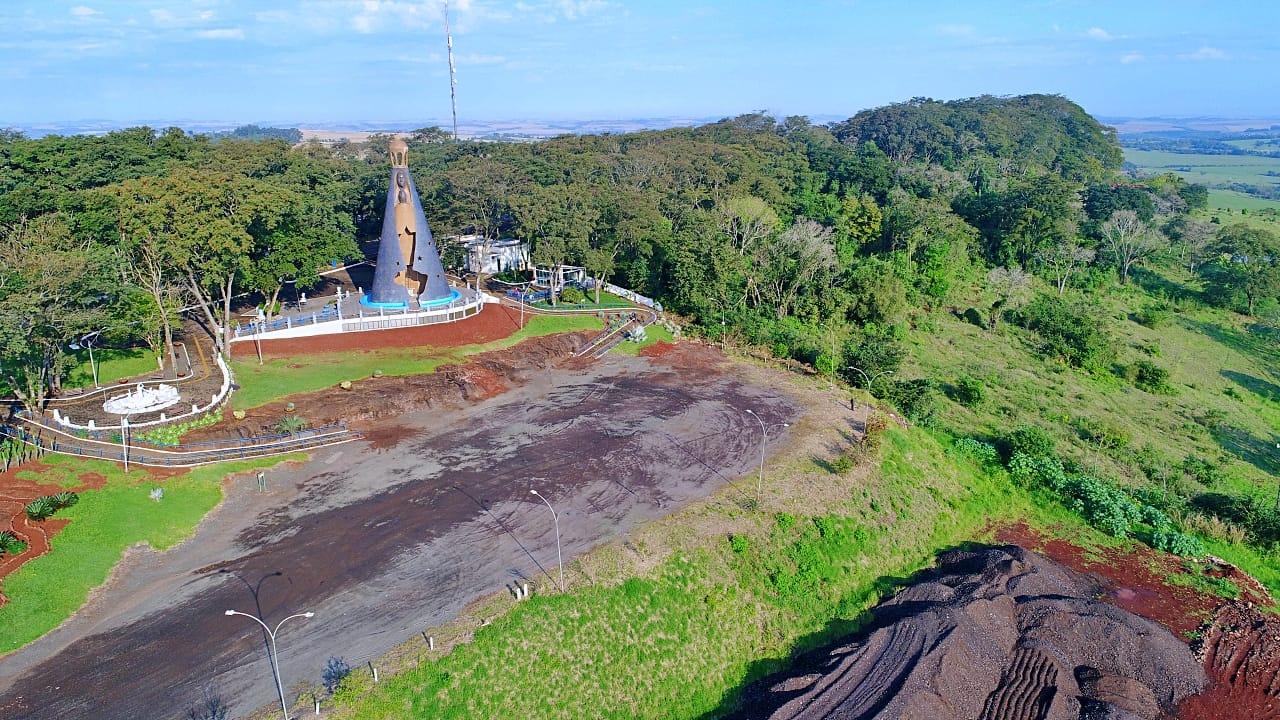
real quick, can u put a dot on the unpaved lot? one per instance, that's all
(384, 538)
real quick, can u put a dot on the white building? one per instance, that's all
(495, 256)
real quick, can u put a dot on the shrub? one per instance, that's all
(842, 464)
(65, 499)
(1150, 377)
(739, 544)
(1044, 470)
(1204, 471)
(1103, 505)
(973, 316)
(875, 352)
(1030, 440)
(1105, 436)
(984, 454)
(291, 424)
(1154, 316)
(1070, 331)
(784, 521)
(168, 435)
(969, 391)
(1170, 540)
(916, 399)
(781, 350)
(572, 295)
(335, 671)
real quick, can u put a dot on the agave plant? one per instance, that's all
(65, 499)
(291, 424)
(41, 508)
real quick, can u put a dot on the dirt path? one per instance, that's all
(398, 533)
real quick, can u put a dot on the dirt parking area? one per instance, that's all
(400, 532)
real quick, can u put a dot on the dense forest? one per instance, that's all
(824, 244)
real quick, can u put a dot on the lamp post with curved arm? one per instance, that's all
(275, 664)
(556, 519)
(869, 378)
(764, 440)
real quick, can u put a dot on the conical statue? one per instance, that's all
(409, 270)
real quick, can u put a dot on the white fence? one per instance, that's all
(622, 292)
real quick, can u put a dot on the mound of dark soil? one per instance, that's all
(998, 633)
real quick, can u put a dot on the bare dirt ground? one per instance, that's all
(400, 532)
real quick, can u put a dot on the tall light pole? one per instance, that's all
(87, 342)
(869, 378)
(764, 440)
(556, 519)
(275, 664)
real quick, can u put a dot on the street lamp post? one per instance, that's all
(275, 664)
(764, 440)
(556, 519)
(869, 378)
(87, 342)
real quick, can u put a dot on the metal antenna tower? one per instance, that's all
(453, 72)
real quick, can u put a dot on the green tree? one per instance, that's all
(1248, 265)
(53, 289)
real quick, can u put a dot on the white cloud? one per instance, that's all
(480, 59)
(955, 30)
(1205, 53)
(1133, 56)
(574, 9)
(84, 11)
(1098, 33)
(221, 34)
(169, 18)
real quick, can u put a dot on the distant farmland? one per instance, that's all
(1215, 171)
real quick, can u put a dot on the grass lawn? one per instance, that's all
(730, 595)
(653, 334)
(47, 590)
(607, 300)
(280, 377)
(112, 365)
(1208, 169)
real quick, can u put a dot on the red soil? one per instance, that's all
(494, 322)
(658, 349)
(1240, 646)
(1241, 655)
(483, 376)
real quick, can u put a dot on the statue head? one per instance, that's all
(399, 151)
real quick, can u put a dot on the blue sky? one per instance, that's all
(323, 61)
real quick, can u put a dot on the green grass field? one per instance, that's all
(1214, 170)
(47, 590)
(607, 301)
(280, 377)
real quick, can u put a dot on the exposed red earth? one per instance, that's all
(494, 322)
(483, 376)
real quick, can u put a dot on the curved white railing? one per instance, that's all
(216, 400)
